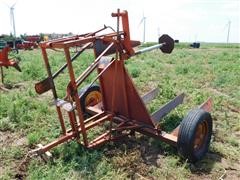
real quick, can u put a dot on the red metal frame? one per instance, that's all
(121, 106)
(27, 45)
(5, 61)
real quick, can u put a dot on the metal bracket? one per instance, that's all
(146, 98)
(164, 110)
(46, 156)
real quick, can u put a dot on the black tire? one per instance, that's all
(194, 135)
(85, 92)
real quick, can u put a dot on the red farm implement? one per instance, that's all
(27, 45)
(115, 103)
(5, 61)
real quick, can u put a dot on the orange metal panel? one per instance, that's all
(134, 108)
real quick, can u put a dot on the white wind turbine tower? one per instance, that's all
(12, 19)
(228, 25)
(158, 32)
(12, 22)
(143, 21)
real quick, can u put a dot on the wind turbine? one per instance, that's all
(158, 32)
(143, 20)
(12, 22)
(228, 32)
(229, 25)
(12, 19)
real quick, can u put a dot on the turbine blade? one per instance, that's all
(13, 5)
(141, 22)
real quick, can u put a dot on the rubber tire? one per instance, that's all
(84, 92)
(186, 135)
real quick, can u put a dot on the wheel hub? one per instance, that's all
(201, 135)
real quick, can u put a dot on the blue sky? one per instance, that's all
(186, 20)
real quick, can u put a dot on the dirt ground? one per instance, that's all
(135, 157)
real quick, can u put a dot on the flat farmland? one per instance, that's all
(27, 119)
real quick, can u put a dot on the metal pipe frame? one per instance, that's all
(5, 61)
(119, 107)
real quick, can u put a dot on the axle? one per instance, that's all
(149, 48)
(166, 44)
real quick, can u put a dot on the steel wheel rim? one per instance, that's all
(93, 98)
(201, 135)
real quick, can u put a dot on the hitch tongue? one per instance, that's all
(46, 156)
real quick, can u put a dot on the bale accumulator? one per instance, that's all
(112, 101)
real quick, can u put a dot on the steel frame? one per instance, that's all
(6, 62)
(121, 106)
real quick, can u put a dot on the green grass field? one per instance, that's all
(27, 119)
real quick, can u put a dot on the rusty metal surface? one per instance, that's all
(164, 110)
(45, 85)
(5, 61)
(120, 97)
(92, 67)
(136, 108)
(75, 96)
(99, 45)
(152, 132)
(168, 43)
(207, 105)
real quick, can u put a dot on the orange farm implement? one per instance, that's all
(115, 103)
(5, 61)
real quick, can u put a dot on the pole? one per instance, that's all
(149, 48)
(158, 30)
(144, 28)
(2, 75)
(13, 19)
(229, 25)
(14, 29)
